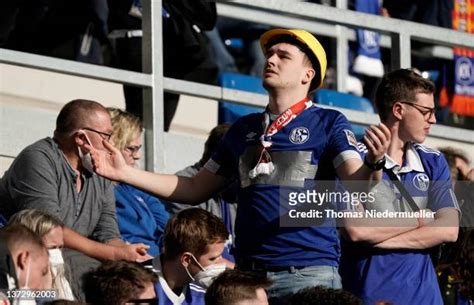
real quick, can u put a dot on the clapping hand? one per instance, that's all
(377, 139)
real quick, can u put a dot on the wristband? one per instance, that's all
(378, 165)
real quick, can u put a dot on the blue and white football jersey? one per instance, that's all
(306, 150)
(402, 276)
(191, 294)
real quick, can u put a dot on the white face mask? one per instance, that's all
(206, 276)
(60, 281)
(86, 159)
(55, 257)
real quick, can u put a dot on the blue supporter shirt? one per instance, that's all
(403, 277)
(191, 295)
(309, 148)
(141, 217)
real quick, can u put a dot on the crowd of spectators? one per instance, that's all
(83, 223)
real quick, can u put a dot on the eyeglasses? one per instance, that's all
(427, 112)
(103, 135)
(133, 149)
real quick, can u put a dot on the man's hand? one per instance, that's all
(377, 139)
(132, 252)
(109, 163)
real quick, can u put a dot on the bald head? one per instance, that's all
(75, 115)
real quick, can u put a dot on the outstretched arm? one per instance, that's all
(190, 190)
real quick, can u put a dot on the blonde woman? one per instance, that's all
(50, 230)
(141, 217)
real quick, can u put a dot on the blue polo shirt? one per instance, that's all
(402, 277)
(308, 149)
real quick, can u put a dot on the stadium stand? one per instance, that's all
(331, 22)
(344, 100)
(21, 123)
(229, 112)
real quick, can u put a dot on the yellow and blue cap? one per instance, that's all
(313, 49)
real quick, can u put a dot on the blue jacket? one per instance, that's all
(141, 217)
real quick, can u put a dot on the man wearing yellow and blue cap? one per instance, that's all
(276, 155)
(314, 56)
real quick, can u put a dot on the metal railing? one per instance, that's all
(322, 20)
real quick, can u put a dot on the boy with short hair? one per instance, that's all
(237, 287)
(194, 240)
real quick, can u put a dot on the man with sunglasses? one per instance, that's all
(56, 176)
(392, 262)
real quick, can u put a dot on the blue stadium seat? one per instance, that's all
(344, 100)
(228, 112)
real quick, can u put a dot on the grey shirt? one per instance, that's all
(42, 178)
